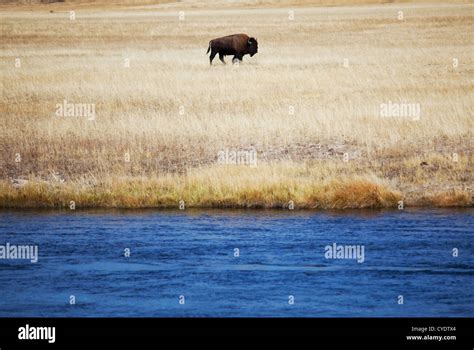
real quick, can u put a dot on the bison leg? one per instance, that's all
(221, 57)
(213, 54)
(237, 57)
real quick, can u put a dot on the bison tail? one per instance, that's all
(208, 48)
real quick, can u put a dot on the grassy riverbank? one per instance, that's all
(308, 105)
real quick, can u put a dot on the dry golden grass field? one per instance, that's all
(306, 116)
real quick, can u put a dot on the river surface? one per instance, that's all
(226, 263)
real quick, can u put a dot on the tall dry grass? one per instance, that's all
(269, 186)
(171, 113)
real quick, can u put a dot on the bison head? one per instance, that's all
(252, 46)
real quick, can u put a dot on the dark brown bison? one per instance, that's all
(237, 45)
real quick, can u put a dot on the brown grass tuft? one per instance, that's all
(451, 199)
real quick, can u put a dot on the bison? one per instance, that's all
(236, 44)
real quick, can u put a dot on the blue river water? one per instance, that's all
(239, 263)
